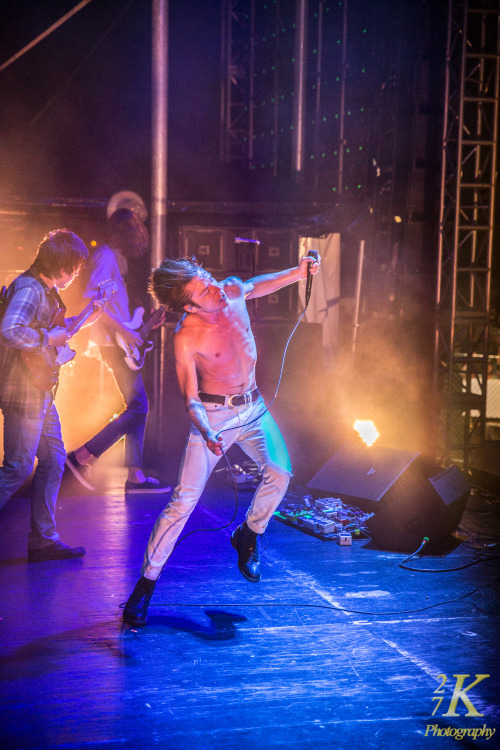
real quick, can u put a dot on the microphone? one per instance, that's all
(238, 240)
(311, 254)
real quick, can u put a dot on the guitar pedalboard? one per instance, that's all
(326, 518)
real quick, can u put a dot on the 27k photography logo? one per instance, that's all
(459, 697)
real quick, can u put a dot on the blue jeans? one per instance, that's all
(25, 439)
(262, 442)
(131, 422)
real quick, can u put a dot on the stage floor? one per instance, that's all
(335, 647)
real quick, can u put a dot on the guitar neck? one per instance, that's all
(80, 319)
(151, 322)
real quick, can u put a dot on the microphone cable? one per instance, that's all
(245, 424)
(314, 254)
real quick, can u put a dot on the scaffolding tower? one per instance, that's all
(237, 82)
(469, 164)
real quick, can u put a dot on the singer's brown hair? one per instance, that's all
(168, 282)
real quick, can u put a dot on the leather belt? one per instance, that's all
(243, 399)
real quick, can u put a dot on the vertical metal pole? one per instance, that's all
(343, 74)
(223, 83)
(318, 93)
(276, 90)
(451, 386)
(159, 108)
(443, 208)
(299, 112)
(359, 277)
(159, 130)
(251, 89)
(226, 92)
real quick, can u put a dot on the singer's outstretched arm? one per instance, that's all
(268, 283)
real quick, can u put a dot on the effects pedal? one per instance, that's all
(316, 522)
(330, 506)
(344, 540)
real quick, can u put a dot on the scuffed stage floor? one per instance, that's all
(335, 647)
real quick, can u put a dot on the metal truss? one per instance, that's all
(469, 163)
(237, 62)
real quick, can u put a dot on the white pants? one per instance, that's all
(262, 442)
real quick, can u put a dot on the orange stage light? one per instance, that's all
(366, 430)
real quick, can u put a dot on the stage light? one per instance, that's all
(366, 430)
(127, 199)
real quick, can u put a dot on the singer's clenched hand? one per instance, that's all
(312, 263)
(214, 443)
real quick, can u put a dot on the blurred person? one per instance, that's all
(127, 238)
(215, 356)
(33, 334)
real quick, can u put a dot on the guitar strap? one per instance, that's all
(57, 306)
(56, 303)
(3, 302)
(57, 310)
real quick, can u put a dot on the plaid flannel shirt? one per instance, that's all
(30, 308)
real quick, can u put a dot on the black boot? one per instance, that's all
(136, 609)
(244, 541)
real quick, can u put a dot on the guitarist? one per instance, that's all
(31, 423)
(127, 238)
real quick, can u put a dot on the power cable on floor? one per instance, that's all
(481, 556)
(331, 607)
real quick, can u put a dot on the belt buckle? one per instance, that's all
(246, 396)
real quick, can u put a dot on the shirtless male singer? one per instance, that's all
(215, 357)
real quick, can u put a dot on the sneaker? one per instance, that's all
(136, 608)
(149, 485)
(79, 471)
(56, 551)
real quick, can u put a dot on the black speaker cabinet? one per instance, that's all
(484, 465)
(433, 509)
(368, 477)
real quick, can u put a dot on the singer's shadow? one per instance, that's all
(222, 625)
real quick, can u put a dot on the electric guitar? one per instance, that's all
(44, 368)
(135, 355)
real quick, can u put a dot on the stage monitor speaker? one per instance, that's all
(368, 477)
(432, 509)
